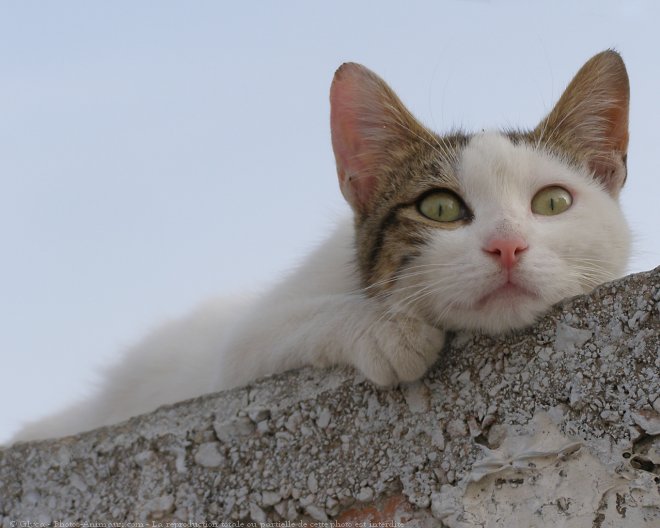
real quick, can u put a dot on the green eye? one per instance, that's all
(442, 206)
(551, 201)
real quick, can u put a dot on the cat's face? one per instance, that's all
(538, 230)
(485, 231)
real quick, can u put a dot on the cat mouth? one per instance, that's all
(509, 292)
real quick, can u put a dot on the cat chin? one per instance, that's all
(498, 315)
(508, 294)
(497, 323)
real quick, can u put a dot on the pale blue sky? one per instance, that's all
(153, 154)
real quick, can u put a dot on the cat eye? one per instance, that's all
(442, 206)
(551, 201)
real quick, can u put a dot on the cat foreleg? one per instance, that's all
(329, 330)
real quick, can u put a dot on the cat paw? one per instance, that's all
(399, 349)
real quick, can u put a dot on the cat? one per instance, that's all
(480, 232)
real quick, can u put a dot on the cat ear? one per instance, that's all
(368, 122)
(591, 119)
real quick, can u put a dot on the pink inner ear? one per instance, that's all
(350, 105)
(618, 118)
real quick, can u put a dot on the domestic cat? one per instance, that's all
(483, 231)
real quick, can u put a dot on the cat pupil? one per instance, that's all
(439, 210)
(552, 204)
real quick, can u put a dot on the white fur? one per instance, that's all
(320, 316)
(169, 365)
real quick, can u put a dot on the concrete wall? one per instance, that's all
(558, 425)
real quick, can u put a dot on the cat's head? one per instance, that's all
(488, 230)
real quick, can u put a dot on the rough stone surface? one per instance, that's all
(558, 425)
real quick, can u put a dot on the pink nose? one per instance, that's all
(507, 250)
